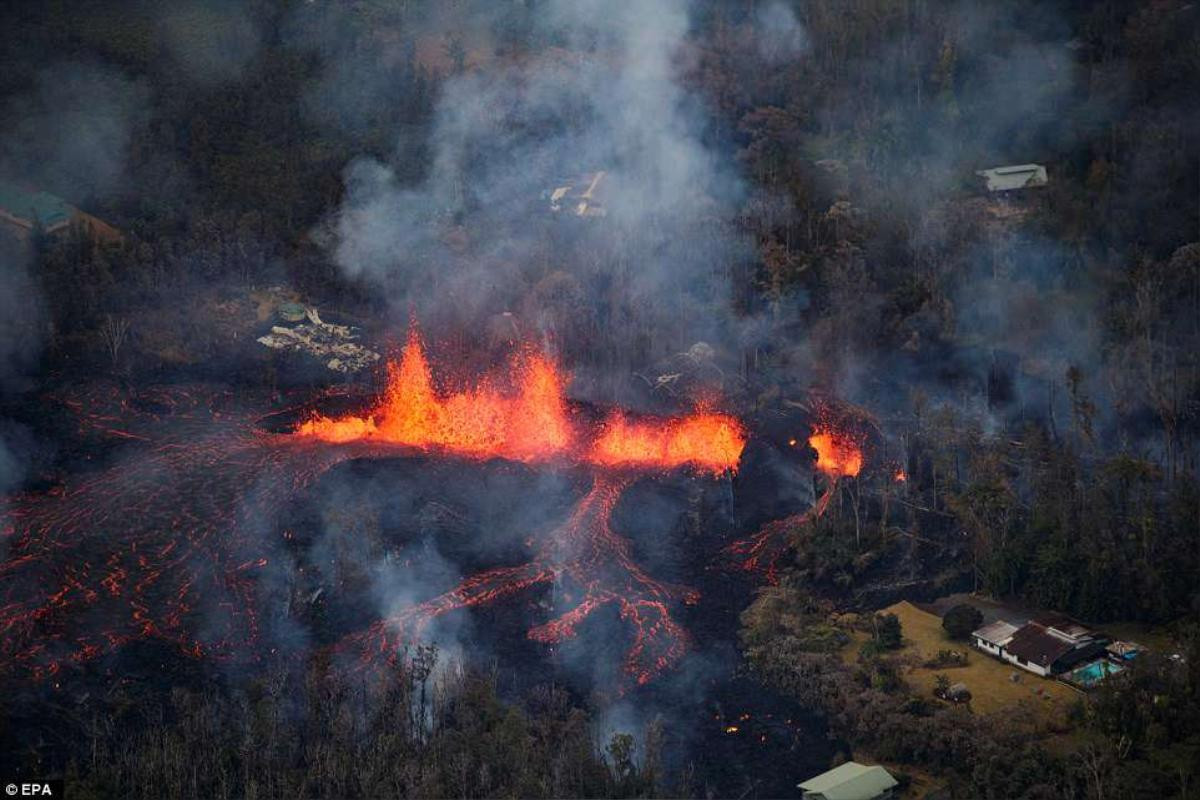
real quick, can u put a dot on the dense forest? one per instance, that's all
(1028, 364)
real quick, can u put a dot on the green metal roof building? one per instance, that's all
(850, 781)
(25, 209)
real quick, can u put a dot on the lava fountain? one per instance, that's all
(523, 416)
(170, 544)
(526, 421)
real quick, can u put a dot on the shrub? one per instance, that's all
(947, 658)
(887, 633)
(961, 620)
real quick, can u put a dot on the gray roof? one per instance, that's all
(1018, 176)
(998, 633)
(850, 781)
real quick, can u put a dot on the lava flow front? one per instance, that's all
(590, 560)
(171, 543)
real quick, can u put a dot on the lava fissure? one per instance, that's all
(523, 415)
(170, 543)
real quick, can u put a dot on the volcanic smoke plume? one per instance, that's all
(171, 545)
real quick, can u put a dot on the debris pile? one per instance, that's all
(335, 345)
(691, 373)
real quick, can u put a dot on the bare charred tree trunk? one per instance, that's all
(113, 332)
(853, 491)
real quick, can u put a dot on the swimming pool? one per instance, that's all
(1090, 674)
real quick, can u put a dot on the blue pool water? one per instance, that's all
(1093, 673)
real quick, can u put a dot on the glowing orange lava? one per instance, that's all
(584, 553)
(838, 455)
(525, 423)
(530, 422)
(712, 442)
(154, 561)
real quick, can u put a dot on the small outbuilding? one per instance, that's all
(850, 781)
(1124, 651)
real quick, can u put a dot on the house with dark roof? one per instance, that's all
(1049, 645)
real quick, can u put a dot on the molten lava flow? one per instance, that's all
(593, 562)
(761, 551)
(168, 544)
(838, 454)
(155, 546)
(529, 424)
(711, 442)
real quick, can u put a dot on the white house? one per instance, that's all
(992, 638)
(1045, 646)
